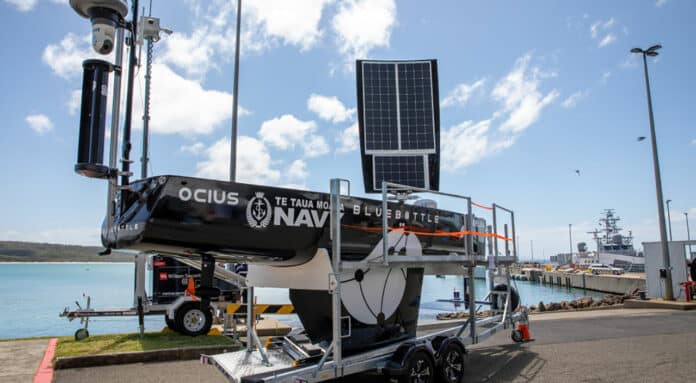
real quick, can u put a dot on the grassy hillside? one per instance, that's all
(48, 252)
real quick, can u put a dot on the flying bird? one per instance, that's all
(641, 138)
(577, 171)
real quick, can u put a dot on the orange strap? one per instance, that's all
(437, 233)
(481, 206)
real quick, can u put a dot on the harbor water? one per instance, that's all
(33, 294)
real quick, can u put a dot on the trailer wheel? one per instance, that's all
(420, 369)
(192, 320)
(81, 334)
(517, 336)
(171, 323)
(452, 364)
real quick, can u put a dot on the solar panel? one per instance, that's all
(398, 114)
(416, 107)
(405, 170)
(381, 110)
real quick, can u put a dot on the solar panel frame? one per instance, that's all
(411, 141)
(427, 115)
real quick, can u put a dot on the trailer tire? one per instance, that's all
(81, 334)
(517, 336)
(192, 320)
(171, 323)
(452, 364)
(419, 369)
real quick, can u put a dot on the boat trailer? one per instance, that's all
(295, 360)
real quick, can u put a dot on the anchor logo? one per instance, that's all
(258, 211)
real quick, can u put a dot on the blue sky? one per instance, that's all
(529, 92)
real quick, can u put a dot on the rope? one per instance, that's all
(481, 206)
(436, 233)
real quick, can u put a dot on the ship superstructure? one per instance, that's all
(614, 248)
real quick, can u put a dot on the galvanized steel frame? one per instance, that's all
(338, 366)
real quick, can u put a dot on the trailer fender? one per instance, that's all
(440, 344)
(174, 306)
(398, 363)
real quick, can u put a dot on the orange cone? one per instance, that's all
(191, 289)
(524, 329)
(523, 326)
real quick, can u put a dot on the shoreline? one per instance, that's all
(59, 262)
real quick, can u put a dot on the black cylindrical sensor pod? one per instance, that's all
(90, 148)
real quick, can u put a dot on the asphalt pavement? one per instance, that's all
(603, 346)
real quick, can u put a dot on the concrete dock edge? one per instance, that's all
(659, 304)
(166, 355)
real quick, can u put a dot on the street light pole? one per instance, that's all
(688, 232)
(669, 220)
(570, 237)
(235, 100)
(669, 293)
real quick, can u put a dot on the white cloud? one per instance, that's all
(609, 23)
(521, 105)
(362, 25)
(40, 123)
(192, 53)
(605, 77)
(266, 23)
(295, 186)
(182, 106)
(178, 105)
(293, 22)
(464, 144)
(520, 95)
(608, 39)
(600, 27)
(660, 3)
(315, 147)
(65, 58)
(28, 5)
(573, 99)
(23, 5)
(593, 29)
(462, 93)
(254, 163)
(329, 108)
(297, 170)
(196, 148)
(693, 142)
(349, 139)
(287, 132)
(74, 102)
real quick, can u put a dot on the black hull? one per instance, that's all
(191, 216)
(277, 227)
(314, 310)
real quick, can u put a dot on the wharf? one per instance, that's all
(614, 284)
(569, 346)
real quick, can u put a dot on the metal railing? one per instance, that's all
(333, 364)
